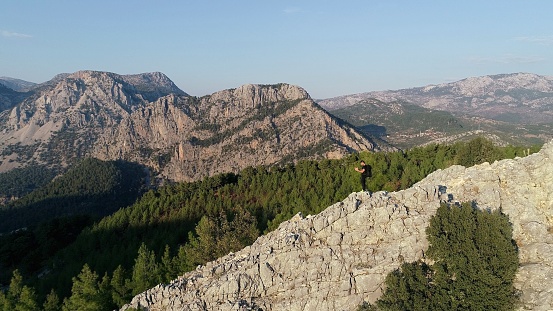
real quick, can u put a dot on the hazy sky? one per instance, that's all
(330, 48)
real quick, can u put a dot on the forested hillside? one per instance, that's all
(44, 221)
(20, 181)
(176, 227)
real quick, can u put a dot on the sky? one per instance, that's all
(330, 48)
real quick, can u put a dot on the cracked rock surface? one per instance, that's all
(340, 257)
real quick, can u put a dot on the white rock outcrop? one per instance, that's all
(340, 257)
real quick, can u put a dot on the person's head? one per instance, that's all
(362, 162)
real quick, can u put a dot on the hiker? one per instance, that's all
(365, 171)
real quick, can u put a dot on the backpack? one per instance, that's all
(368, 171)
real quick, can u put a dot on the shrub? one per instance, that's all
(475, 261)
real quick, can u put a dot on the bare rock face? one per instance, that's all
(145, 118)
(63, 117)
(187, 138)
(340, 257)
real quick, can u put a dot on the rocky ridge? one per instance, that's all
(338, 258)
(519, 97)
(66, 115)
(145, 118)
(187, 138)
(17, 84)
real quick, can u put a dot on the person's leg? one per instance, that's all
(363, 184)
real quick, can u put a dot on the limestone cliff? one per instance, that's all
(187, 138)
(62, 118)
(145, 118)
(340, 257)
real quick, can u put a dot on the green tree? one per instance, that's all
(87, 294)
(411, 286)
(52, 302)
(27, 300)
(217, 236)
(476, 258)
(167, 266)
(145, 272)
(19, 297)
(475, 262)
(121, 293)
(477, 151)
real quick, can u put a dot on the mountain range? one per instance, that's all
(146, 119)
(331, 261)
(520, 97)
(507, 109)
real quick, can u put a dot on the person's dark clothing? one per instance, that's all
(366, 173)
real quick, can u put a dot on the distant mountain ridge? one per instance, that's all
(400, 123)
(17, 84)
(519, 97)
(147, 119)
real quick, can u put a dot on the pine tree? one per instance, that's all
(167, 266)
(412, 290)
(475, 262)
(9, 300)
(476, 258)
(27, 300)
(145, 270)
(52, 302)
(86, 293)
(121, 293)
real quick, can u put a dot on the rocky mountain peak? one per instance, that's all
(254, 95)
(145, 118)
(68, 113)
(261, 124)
(339, 258)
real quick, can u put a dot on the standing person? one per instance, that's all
(365, 171)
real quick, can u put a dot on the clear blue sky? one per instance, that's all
(330, 48)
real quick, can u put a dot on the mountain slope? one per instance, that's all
(62, 117)
(9, 97)
(518, 98)
(401, 124)
(17, 84)
(92, 187)
(187, 137)
(340, 257)
(147, 119)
